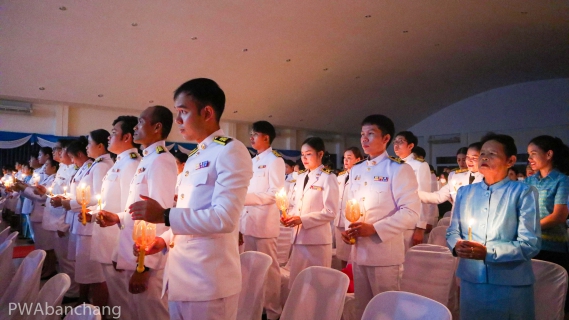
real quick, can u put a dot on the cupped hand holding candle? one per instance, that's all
(143, 235)
(282, 202)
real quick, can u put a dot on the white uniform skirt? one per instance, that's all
(43, 239)
(304, 256)
(86, 270)
(343, 250)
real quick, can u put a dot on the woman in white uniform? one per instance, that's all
(316, 205)
(351, 156)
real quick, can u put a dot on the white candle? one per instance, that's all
(470, 223)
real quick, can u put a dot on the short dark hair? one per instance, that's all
(64, 142)
(462, 150)
(163, 115)
(289, 162)
(383, 123)
(315, 143)
(356, 151)
(54, 163)
(204, 92)
(127, 126)
(77, 146)
(100, 136)
(476, 146)
(506, 141)
(409, 136)
(48, 151)
(265, 127)
(419, 152)
(560, 159)
(516, 171)
(182, 157)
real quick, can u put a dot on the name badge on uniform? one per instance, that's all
(316, 188)
(380, 179)
(201, 165)
(141, 170)
(358, 177)
(262, 167)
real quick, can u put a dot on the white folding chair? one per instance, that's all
(430, 247)
(6, 253)
(12, 236)
(25, 285)
(438, 236)
(84, 312)
(284, 244)
(550, 289)
(317, 293)
(429, 274)
(51, 294)
(254, 268)
(444, 222)
(4, 234)
(404, 305)
(447, 214)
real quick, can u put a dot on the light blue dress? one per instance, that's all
(505, 218)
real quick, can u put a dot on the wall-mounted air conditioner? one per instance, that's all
(445, 138)
(19, 107)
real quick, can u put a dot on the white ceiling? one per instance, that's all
(408, 60)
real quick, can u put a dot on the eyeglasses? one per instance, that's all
(398, 142)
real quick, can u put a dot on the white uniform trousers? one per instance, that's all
(86, 270)
(343, 250)
(272, 303)
(304, 256)
(43, 239)
(370, 281)
(408, 239)
(218, 309)
(118, 290)
(148, 304)
(60, 246)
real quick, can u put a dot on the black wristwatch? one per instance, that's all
(167, 217)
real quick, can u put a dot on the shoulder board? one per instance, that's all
(193, 152)
(89, 164)
(327, 171)
(342, 173)
(76, 167)
(276, 153)
(455, 169)
(420, 159)
(99, 160)
(222, 140)
(133, 155)
(359, 162)
(301, 171)
(160, 150)
(398, 160)
(433, 171)
(461, 170)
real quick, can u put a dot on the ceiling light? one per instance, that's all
(194, 38)
(325, 69)
(368, 16)
(245, 50)
(151, 101)
(270, 116)
(42, 88)
(62, 8)
(524, 12)
(436, 44)
(134, 24)
(100, 96)
(357, 77)
(405, 31)
(287, 60)
(235, 111)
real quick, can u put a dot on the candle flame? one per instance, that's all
(98, 197)
(470, 222)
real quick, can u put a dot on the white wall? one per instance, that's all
(523, 111)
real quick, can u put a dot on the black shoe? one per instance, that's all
(31, 241)
(67, 300)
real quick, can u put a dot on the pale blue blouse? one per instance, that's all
(506, 220)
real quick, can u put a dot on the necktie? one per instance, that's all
(470, 179)
(347, 178)
(305, 181)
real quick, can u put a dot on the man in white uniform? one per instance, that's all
(386, 189)
(114, 194)
(260, 219)
(203, 273)
(155, 177)
(403, 145)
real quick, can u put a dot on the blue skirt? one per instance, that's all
(490, 301)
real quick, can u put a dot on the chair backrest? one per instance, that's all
(404, 305)
(284, 244)
(430, 247)
(317, 293)
(438, 236)
(25, 285)
(444, 222)
(12, 236)
(550, 289)
(447, 214)
(6, 252)
(429, 274)
(254, 268)
(84, 312)
(51, 294)
(4, 234)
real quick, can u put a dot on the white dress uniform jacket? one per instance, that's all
(423, 176)
(38, 201)
(261, 216)
(71, 215)
(343, 191)
(317, 206)
(387, 192)
(204, 263)
(448, 191)
(114, 194)
(54, 218)
(155, 177)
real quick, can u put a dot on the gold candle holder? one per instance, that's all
(143, 235)
(282, 202)
(352, 213)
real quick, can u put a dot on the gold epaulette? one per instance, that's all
(160, 150)
(89, 164)
(133, 155)
(76, 167)
(361, 161)
(301, 171)
(276, 153)
(193, 152)
(327, 171)
(222, 140)
(342, 173)
(461, 170)
(398, 160)
(99, 160)
(420, 159)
